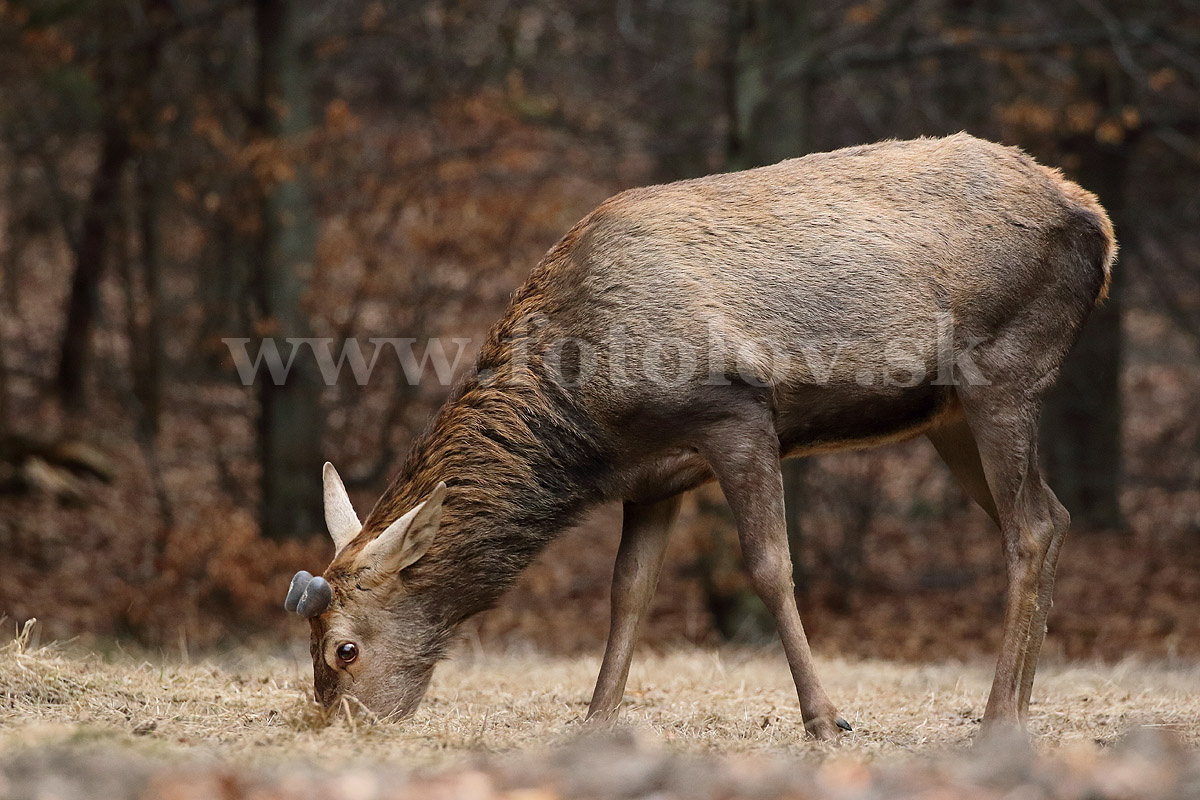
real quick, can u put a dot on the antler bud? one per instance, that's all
(315, 599)
(299, 583)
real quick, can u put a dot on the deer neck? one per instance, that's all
(522, 462)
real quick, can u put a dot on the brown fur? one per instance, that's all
(847, 252)
(1089, 204)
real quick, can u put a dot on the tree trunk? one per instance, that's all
(795, 473)
(146, 348)
(769, 120)
(5, 424)
(1081, 421)
(12, 298)
(770, 114)
(147, 351)
(90, 256)
(10, 276)
(290, 424)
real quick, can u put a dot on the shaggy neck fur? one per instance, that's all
(521, 460)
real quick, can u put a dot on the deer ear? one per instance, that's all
(406, 539)
(340, 518)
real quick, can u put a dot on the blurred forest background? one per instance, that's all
(175, 172)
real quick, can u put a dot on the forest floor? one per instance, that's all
(696, 723)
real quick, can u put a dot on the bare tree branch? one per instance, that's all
(1117, 38)
(870, 56)
(1178, 142)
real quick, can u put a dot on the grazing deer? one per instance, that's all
(705, 330)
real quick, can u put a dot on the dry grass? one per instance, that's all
(254, 709)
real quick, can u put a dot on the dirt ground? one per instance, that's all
(72, 722)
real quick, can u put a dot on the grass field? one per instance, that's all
(251, 711)
(255, 708)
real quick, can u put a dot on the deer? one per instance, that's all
(847, 299)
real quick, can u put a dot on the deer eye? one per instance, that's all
(347, 652)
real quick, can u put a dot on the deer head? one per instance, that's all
(371, 639)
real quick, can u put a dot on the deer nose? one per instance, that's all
(326, 697)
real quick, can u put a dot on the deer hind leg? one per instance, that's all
(743, 453)
(635, 575)
(956, 445)
(1004, 419)
(1037, 627)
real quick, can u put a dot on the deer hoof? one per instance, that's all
(826, 727)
